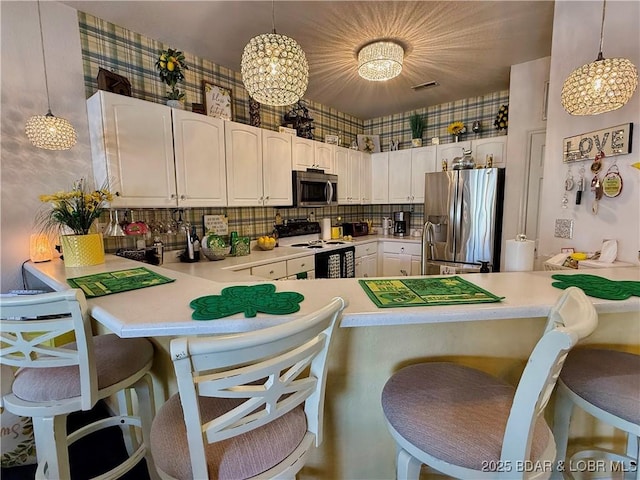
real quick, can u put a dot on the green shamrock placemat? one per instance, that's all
(101, 284)
(599, 287)
(248, 299)
(414, 292)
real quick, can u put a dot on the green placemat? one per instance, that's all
(248, 299)
(415, 292)
(598, 287)
(101, 284)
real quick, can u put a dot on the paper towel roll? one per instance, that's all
(325, 228)
(519, 256)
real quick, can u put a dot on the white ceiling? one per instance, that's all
(466, 46)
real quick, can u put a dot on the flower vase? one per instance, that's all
(456, 138)
(416, 142)
(175, 104)
(82, 250)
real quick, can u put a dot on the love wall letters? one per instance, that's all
(612, 141)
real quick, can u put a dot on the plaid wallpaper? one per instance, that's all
(483, 109)
(133, 55)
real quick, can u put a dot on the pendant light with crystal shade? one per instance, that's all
(48, 131)
(274, 68)
(601, 86)
(380, 61)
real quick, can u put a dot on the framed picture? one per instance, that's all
(369, 143)
(567, 250)
(332, 139)
(289, 130)
(217, 100)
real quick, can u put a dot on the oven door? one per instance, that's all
(340, 263)
(312, 189)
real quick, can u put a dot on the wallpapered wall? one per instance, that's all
(133, 55)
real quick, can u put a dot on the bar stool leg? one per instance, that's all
(51, 445)
(408, 466)
(561, 421)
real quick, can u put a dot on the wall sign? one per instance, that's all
(217, 100)
(612, 141)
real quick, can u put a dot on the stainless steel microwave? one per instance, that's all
(314, 189)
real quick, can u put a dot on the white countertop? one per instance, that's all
(164, 309)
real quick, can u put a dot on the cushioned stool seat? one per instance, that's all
(53, 381)
(116, 360)
(605, 384)
(464, 423)
(243, 456)
(455, 413)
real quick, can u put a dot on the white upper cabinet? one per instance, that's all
(365, 179)
(449, 151)
(380, 178)
(423, 160)
(150, 155)
(347, 167)
(132, 150)
(303, 153)
(243, 146)
(199, 159)
(324, 156)
(258, 166)
(276, 168)
(406, 173)
(494, 146)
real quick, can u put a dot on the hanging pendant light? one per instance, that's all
(601, 86)
(274, 68)
(48, 131)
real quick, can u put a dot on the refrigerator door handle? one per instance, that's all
(451, 226)
(428, 246)
(458, 216)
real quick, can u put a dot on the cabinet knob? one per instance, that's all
(271, 272)
(404, 273)
(173, 196)
(267, 197)
(117, 194)
(183, 197)
(402, 249)
(303, 264)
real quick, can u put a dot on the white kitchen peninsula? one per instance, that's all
(495, 337)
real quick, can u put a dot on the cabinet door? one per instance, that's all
(365, 179)
(276, 168)
(132, 150)
(416, 265)
(200, 159)
(450, 151)
(396, 265)
(355, 160)
(243, 146)
(380, 178)
(303, 153)
(495, 146)
(400, 176)
(324, 156)
(369, 266)
(423, 160)
(342, 170)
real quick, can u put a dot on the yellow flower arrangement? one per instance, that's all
(456, 128)
(171, 66)
(75, 210)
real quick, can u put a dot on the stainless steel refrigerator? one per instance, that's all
(463, 220)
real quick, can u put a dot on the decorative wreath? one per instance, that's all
(502, 119)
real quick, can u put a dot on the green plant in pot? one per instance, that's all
(417, 127)
(171, 66)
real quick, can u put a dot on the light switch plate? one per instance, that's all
(564, 228)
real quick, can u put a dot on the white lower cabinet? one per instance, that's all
(400, 259)
(366, 262)
(286, 269)
(272, 271)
